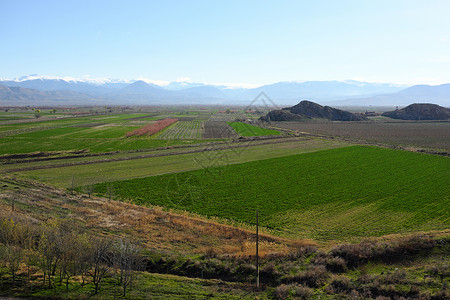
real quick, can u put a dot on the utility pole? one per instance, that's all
(257, 255)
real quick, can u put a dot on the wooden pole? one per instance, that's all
(257, 255)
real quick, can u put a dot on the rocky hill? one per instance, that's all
(283, 115)
(420, 111)
(308, 110)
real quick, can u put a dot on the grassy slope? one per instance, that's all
(333, 194)
(244, 129)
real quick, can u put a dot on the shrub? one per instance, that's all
(282, 291)
(357, 254)
(340, 284)
(295, 290)
(301, 292)
(268, 273)
(442, 294)
(314, 276)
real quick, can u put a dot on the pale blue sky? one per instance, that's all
(253, 42)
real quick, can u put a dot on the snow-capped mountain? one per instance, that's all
(115, 91)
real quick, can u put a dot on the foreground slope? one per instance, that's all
(333, 194)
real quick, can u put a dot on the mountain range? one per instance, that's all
(44, 91)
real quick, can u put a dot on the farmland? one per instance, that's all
(68, 173)
(245, 129)
(187, 195)
(218, 129)
(430, 135)
(183, 130)
(98, 133)
(153, 128)
(340, 193)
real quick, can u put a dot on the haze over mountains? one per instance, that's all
(44, 91)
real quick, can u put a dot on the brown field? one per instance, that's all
(153, 128)
(429, 135)
(218, 130)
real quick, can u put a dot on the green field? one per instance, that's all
(10, 145)
(245, 129)
(120, 170)
(341, 193)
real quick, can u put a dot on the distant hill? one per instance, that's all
(12, 96)
(438, 94)
(332, 93)
(420, 111)
(307, 110)
(289, 92)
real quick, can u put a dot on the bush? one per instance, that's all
(268, 273)
(339, 285)
(442, 271)
(295, 290)
(398, 276)
(314, 276)
(282, 291)
(441, 295)
(357, 254)
(302, 292)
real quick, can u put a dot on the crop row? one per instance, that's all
(218, 129)
(329, 194)
(152, 128)
(183, 130)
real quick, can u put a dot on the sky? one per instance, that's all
(229, 42)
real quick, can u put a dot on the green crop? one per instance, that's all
(245, 129)
(353, 191)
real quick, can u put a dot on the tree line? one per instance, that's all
(59, 252)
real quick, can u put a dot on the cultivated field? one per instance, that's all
(244, 129)
(333, 194)
(70, 172)
(429, 135)
(186, 196)
(183, 130)
(218, 130)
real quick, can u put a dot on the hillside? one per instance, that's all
(307, 110)
(420, 111)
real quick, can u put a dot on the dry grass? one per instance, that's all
(154, 227)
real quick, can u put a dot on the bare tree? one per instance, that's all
(99, 258)
(14, 256)
(3, 258)
(70, 256)
(127, 259)
(110, 191)
(89, 189)
(50, 252)
(84, 258)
